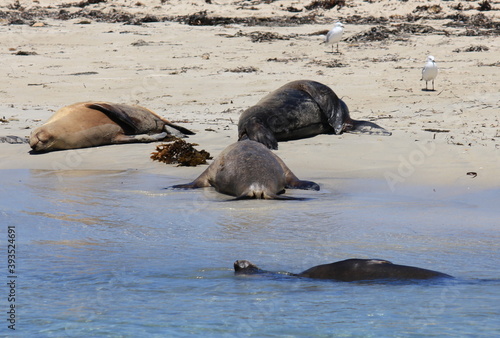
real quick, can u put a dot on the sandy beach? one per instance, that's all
(200, 64)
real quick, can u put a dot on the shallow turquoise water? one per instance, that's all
(111, 253)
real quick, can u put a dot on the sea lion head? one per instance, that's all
(41, 140)
(245, 267)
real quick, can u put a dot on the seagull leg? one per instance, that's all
(432, 85)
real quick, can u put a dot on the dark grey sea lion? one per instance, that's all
(351, 270)
(90, 124)
(247, 169)
(300, 109)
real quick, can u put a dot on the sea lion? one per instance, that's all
(300, 109)
(351, 270)
(90, 124)
(247, 169)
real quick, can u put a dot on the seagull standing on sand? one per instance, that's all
(335, 35)
(430, 71)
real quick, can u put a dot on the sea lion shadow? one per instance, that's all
(240, 198)
(276, 198)
(41, 152)
(82, 149)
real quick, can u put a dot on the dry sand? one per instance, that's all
(204, 76)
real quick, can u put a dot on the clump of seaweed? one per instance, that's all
(241, 69)
(378, 33)
(180, 152)
(325, 4)
(477, 48)
(328, 64)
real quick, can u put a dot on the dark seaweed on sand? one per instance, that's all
(325, 4)
(180, 152)
(378, 33)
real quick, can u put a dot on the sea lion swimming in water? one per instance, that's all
(247, 169)
(300, 109)
(90, 124)
(351, 270)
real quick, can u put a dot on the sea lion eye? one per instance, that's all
(43, 136)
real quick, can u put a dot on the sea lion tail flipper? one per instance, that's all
(293, 182)
(176, 130)
(116, 114)
(144, 138)
(256, 131)
(304, 185)
(338, 117)
(288, 198)
(366, 127)
(334, 109)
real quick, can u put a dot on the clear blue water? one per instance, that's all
(111, 253)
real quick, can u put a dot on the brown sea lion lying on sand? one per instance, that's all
(90, 124)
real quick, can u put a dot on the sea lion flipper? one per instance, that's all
(256, 131)
(304, 185)
(334, 109)
(175, 129)
(197, 183)
(338, 116)
(201, 181)
(366, 127)
(119, 116)
(293, 182)
(139, 138)
(192, 185)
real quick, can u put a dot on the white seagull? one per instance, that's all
(335, 35)
(430, 71)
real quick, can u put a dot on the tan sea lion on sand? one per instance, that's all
(90, 124)
(247, 169)
(300, 109)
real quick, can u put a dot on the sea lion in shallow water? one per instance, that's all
(351, 270)
(300, 109)
(247, 169)
(90, 124)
